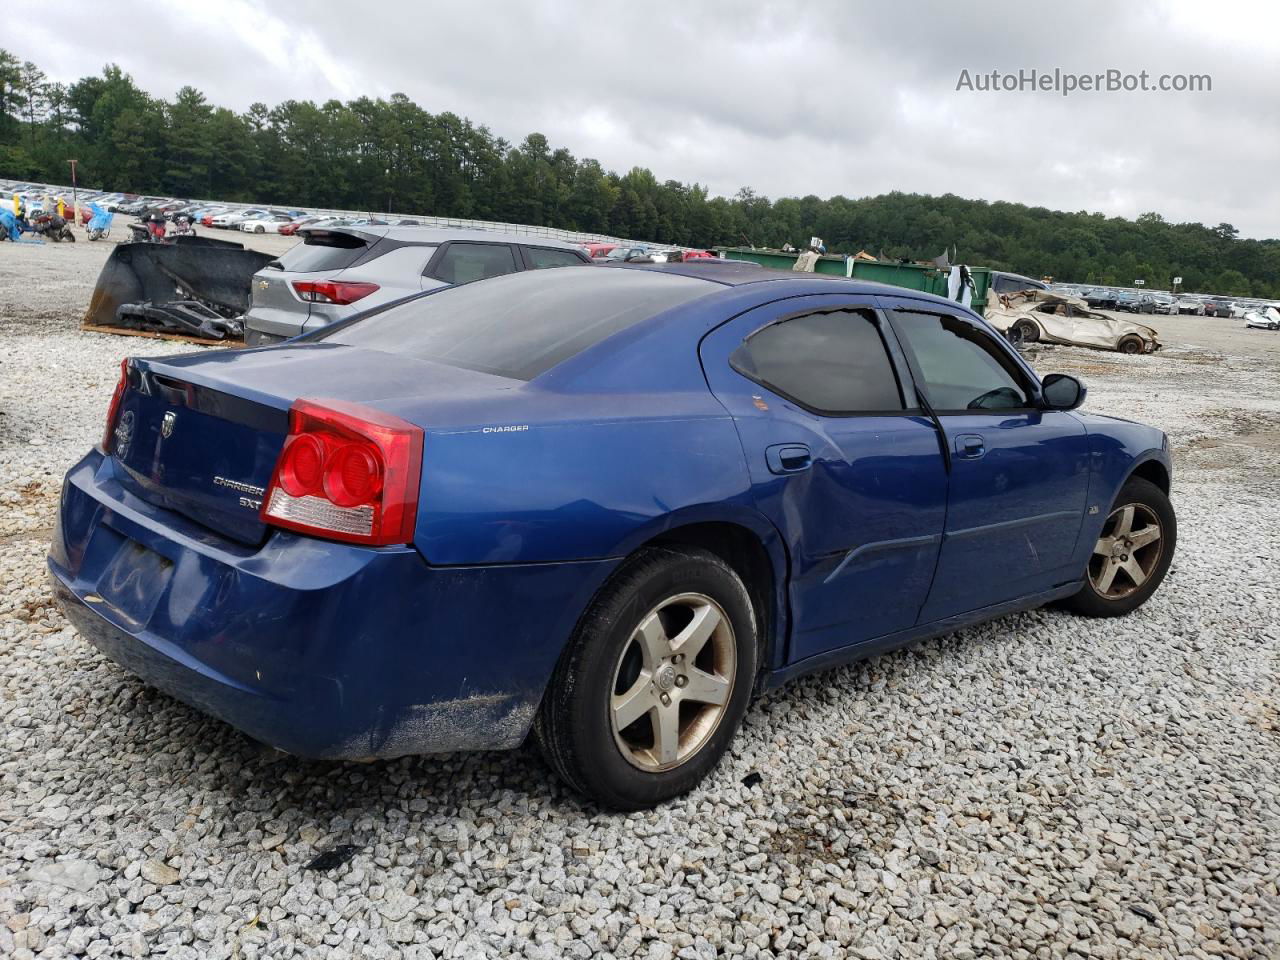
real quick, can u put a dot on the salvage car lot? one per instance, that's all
(1040, 781)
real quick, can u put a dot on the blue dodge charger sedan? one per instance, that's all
(605, 507)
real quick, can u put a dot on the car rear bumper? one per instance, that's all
(265, 325)
(260, 338)
(320, 649)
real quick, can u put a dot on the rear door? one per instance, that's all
(462, 261)
(544, 258)
(1019, 473)
(842, 462)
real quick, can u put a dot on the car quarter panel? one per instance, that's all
(571, 477)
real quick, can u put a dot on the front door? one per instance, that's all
(1019, 473)
(845, 465)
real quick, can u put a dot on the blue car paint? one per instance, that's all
(1118, 449)
(321, 649)
(532, 492)
(863, 523)
(1015, 500)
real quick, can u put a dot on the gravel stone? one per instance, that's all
(159, 873)
(1042, 786)
(72, 874)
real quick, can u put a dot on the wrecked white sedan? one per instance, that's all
(1266, 319)
(1041, 316)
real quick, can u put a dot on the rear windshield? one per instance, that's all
(322, 251)
(523, 324)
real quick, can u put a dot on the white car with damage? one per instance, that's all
(1041, 316)
(1267, 318)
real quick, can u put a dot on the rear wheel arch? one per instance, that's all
(746, 554)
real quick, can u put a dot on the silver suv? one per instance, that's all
(335, 273)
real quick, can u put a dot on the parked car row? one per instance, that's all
(1161, 301)
(229, 216)
(34, 197)
(620, 253)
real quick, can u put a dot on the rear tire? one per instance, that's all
(1026, 332)
(630, 720)
(1132, 555)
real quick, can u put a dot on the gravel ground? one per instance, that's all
(1035, 787)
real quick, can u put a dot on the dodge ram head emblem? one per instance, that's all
(124, 433)
(166, 425)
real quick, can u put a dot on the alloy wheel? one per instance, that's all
(673, 681)
(1127, 553)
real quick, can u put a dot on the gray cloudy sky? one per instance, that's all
(823, 97)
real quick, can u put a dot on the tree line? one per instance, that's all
(367, 154)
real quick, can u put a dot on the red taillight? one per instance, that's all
(333, 291)
(346, 473)
(301, 467)
(114, 410)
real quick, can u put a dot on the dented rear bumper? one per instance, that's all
(320, 649)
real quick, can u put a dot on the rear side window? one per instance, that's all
(833, 362)
(464, 262)
(540, 258)
(962, 366)
(522, 325)
(322, 252)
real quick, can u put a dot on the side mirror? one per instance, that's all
(1062, 391)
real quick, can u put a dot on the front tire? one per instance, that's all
(1132, 555)
(655, 681)
(1131, 345)
(1026, 332)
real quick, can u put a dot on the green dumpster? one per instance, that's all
(912, 276)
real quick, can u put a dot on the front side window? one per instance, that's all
(831, 362)
(540, 258)
(464, 262)
(963, 368)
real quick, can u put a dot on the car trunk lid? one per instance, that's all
(200, 434)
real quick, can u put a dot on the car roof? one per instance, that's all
(431, 235)
(740, 273)
(736, 273)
